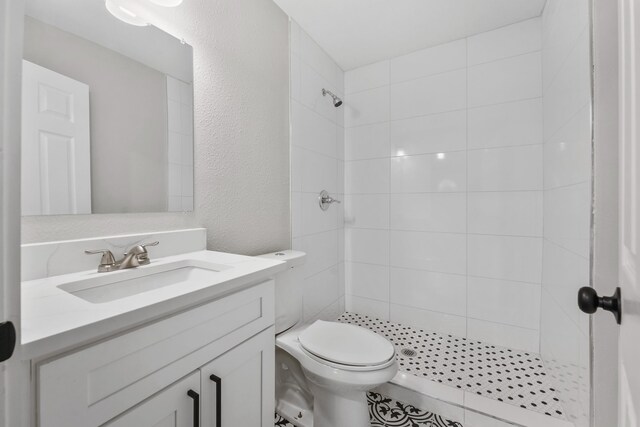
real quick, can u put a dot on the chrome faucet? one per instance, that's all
(134, 257)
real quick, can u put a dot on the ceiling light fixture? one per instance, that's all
(118, 9)
(167, 3)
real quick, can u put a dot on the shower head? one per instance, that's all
(336, 101)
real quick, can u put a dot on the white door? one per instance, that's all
(238, 387)
(13, 379)
(176, 406)
(56, 171)
(629, 353)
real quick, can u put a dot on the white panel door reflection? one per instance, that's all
(56, 171)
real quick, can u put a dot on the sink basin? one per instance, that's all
(108, 287)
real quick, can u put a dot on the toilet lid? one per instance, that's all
(346, 344)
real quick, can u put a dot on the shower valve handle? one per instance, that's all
(325, 200)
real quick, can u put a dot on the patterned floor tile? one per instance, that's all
(281, 422)
(386, 412)
(515, 377)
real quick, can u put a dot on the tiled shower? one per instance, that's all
(449, 208)
(464, 171)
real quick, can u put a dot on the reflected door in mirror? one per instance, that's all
(56, 172)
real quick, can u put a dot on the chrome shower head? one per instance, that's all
(336, 101)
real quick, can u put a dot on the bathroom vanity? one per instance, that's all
(187, 340)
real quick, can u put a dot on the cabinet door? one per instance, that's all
(238, 387)
(176, 406)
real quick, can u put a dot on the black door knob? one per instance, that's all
(590, 302)
(7, 340)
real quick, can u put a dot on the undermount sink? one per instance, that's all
(108, 287)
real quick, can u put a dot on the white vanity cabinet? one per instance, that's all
(238, 387)
(241, 394)
(161, 373)
(175, 406)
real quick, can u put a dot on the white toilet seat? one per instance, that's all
(354, 368)
(345, 346)
(289, 341)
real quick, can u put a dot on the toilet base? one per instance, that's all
(293, 397)
(346, 408)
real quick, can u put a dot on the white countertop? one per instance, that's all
(54, 320)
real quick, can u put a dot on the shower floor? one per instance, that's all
(509, 376)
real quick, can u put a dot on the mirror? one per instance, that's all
(107, 113)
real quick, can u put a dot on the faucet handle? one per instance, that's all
(107, 262)
(144, 256)
(140, 249)
(140, 252)
(156, 243)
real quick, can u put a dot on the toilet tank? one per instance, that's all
(288, 288)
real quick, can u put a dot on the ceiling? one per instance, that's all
(361, 32)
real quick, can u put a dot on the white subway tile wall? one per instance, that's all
(567, 201)
(180, 152)
(444, 182)
(317, 163)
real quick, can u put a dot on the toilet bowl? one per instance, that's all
(323, 369)
(340, 363)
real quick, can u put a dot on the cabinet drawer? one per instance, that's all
(93, 385)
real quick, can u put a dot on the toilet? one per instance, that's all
(323, 369)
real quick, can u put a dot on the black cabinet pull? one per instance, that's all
(218, 382)
(590, 302)
(196, 407)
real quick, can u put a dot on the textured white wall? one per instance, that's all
(241, 132)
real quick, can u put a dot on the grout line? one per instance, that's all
(317, 72)
(389, 200)
(565, 60)
(565, 186)
(439, 192)
(475, 276)
(561, 246)
(466, 193)
(561, 308)
(566, 124)
(477, 107)
(507, 58)
(452, 233)
(433, 153)
(521, 21)
(413, 79)
(439, 73)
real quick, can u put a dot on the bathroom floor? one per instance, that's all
(386, 412)
(515, 377)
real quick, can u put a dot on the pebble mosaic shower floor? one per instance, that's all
(514, 377)
(385, 412)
